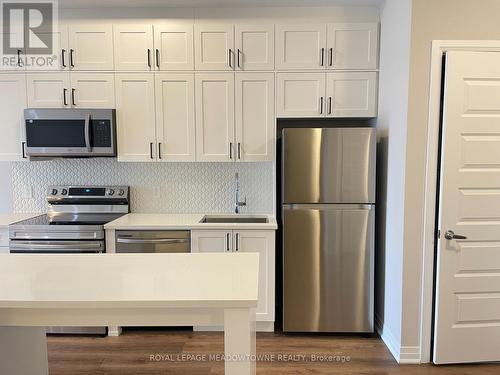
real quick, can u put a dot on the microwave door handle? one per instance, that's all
(87, 132)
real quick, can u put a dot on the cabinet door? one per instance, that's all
(211, 241)
(261, 242)
(175, 116)
(301, 94)
(13, 60)
(254, 45)
(91, 47)
(60, 51)
(93, 90)
(353, 45)
(174, 47)
(214, 47)
(301, 46)
(214, 116)
(12, 104)
(352, 94)
(133, 47)
(135, 116)
(255, 121)
(48, 90)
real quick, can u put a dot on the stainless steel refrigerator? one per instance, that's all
(328, 202)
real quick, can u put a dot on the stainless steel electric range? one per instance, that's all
(74, 223)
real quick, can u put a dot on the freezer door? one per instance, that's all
(329, 165)
(328, 268)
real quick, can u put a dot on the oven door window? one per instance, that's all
(67, 133)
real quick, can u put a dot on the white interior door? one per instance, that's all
(175, 130)
(93, 90)
(91, 47)
(467, 318)
(301, 46)
(214, 47)
(133, 47)
(174, 46)
(12, 104)
(48, 90)
(255, 121)
(215, 117)
(254, 46)
(135, 117)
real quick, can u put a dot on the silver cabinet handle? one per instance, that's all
(237, 247)
(321, 105)
(87, 133)
(450, 235)
(151, 241)
(227, 241)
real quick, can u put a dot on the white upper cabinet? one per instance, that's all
(48, 90)
(300, 94)
(353, 45)
(133, 47)
(135, 116)
(174, 47)
(175, 129)
(254, 47)
(215, 116)
(214, 47)
(60, 51)
(12, 104)
(91, 47)
(14, 60)
(255, 120)
(301, 46)
(92, 90)
(351, 94)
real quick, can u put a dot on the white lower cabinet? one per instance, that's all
(332, 94)
(12, 104)
(260, 241)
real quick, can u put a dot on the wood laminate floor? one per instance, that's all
(185, 352)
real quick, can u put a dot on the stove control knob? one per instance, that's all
(64, 191)
(54, 191)
(121, 192)
(111, 192)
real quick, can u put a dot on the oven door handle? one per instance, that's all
(87, 133)
(70, 247)
(146, 241)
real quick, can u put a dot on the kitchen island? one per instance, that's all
(125, 289)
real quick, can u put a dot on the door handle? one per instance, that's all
(71, 61)
(230, 150)
(157, 58)
(239, 53)
(322, 56)
(87, 133)
(230, 53)
(227, 241)
(329, 105)
(239, 150)
(63, 62)
(450, 235)
(331, 57)
(159, 150)
(237, 247)
(149, 58)
(65, 100)
(19, 57)
(321, 105)
(151, 150)
(73, 97)
(23, 147)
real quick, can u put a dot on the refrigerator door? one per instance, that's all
(328, 268)
(322, 165)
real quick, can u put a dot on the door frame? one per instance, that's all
(431, 177)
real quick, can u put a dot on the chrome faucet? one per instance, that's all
(237, 202)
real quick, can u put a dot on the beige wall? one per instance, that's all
(431, 20)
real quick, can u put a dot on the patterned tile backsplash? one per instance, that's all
(155, 187)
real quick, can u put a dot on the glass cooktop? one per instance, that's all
(70, 219)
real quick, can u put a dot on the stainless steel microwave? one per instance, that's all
(70, 132)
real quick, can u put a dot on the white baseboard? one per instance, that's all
(409, 355)
(402, 354)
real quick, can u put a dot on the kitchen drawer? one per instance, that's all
(4, 237)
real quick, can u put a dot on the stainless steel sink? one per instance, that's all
(250, 219)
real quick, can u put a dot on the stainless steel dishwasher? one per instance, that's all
(152, 241)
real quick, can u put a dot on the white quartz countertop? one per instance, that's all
(11, 218)
(128, 280)
(182, 221)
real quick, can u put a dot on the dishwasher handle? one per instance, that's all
(152, 241)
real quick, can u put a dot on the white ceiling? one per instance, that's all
(86, 4)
